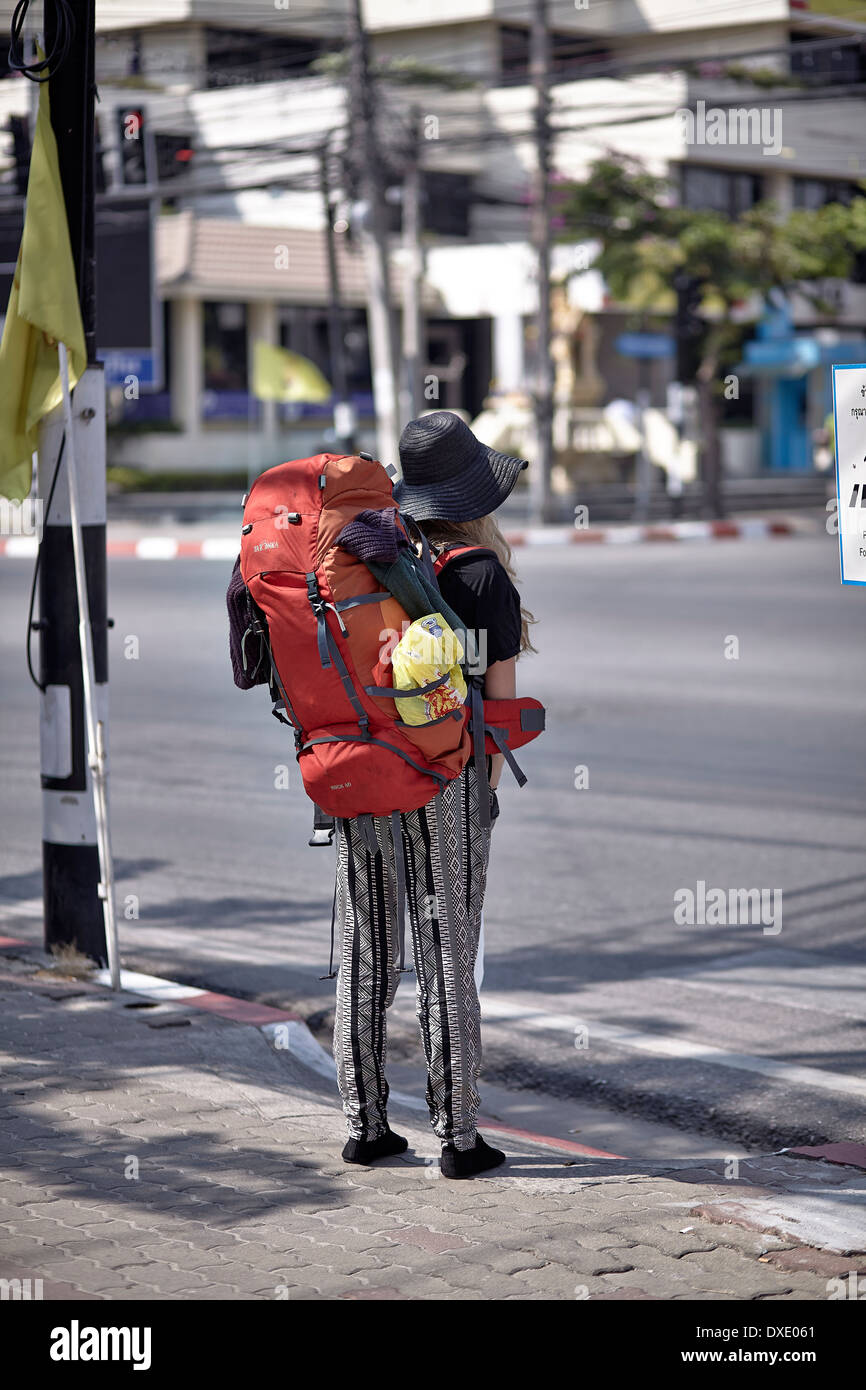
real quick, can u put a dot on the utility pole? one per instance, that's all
(344, 415)
(374, 239)
(541, 466)
(71, 870)
(643, 489)
(698, 374)
(414, 338)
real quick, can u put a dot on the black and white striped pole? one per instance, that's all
(76, 857)
(73, 666)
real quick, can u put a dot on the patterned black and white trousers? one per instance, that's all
(445, 852)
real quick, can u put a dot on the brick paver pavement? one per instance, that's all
(157, 1152)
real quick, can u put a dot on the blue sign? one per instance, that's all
(645, 345)
(798, 354)
(142, 363)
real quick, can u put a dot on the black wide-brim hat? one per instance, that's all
(448, 474)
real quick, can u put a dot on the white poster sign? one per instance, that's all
(849, 406)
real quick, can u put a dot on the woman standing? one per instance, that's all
(451, 485)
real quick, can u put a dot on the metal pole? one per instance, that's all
(374, 239)
(344, 414)
(74, 910)
(541, 465)
(412, 394)
(96, 727)
(72, 92)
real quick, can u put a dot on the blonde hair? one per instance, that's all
(482, 531)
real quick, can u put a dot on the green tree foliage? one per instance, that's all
(646, 238)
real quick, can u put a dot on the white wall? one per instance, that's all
(473, 48)
(598, 17)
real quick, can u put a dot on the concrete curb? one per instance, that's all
(225, 548)
(287, 1032)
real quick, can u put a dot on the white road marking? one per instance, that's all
(495, 1009)
(787, 979)
(21, 907)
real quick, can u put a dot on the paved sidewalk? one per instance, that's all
(163, 1151)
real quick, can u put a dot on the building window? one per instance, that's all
(304, 329)
(447, 198)
(719, 190)
(569, 53)
(225, 347)
(812, 194)
(236, 56)
(842, 61)
(817, 193)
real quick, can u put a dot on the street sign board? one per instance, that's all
(645, 345)
(849, 413)
(798, 355)
(128, 311)
(120, 364)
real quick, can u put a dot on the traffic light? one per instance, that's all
(174, 155)
(133, 157)
(689, 326)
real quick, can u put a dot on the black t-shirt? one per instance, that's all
(479, 590)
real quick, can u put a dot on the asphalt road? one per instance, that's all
(741, 773)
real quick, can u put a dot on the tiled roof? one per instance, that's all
(216, 258)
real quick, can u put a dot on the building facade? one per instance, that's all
(235, 119)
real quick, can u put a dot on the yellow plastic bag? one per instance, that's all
(428, 649)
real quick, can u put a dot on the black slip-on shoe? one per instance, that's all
(465, 1163)
(368, 1150)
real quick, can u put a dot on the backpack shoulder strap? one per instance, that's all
(417, 537)
(453, 550)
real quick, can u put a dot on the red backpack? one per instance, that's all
(326, 624)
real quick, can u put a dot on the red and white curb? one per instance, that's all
(225, 548)
(749, 528)
(288, 1032)
(146, 548)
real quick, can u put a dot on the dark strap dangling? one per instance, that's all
(368, 830)
(400, 867)
(480, 757)
(331, 971)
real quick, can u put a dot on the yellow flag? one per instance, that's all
(280, 375)
(43, 310)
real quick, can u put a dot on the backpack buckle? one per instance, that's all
(321, 836)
